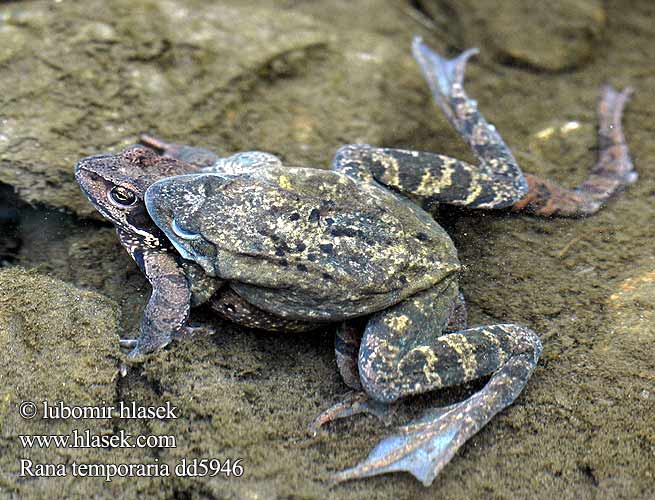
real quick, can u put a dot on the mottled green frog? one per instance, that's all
(288, 248)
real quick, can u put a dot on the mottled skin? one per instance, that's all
(286, 248)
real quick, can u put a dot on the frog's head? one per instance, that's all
(116, 183)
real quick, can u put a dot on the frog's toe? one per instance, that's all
(442, 74)
(614, 161)
(142, 348)
(421, 448)
(157, 144)
(352, 404)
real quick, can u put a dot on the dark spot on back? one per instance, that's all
(300, 246)
(403, 280)
(312, 257)
(283, 262)
(301, 267)
(327, 277)
(327, 248)
(329, 221)
(422, 236)
(279, 251)
(294, 216)
(344, 231)
(314, 215)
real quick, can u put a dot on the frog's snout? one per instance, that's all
(89, 165)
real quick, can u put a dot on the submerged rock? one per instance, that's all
(551, 36)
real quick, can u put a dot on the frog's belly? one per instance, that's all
(312, 305)
(231, 306)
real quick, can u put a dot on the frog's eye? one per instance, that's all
(121, 196)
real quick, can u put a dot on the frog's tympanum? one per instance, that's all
(276, 247)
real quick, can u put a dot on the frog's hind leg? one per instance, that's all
(198, 157)
(405, 351)
(613, 170)
(496, 182)
(346, 347)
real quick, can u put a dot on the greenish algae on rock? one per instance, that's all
(96, 75)
(58, 343)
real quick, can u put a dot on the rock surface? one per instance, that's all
(299, 79)
(551, 36)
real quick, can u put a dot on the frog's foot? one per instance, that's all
(353, 404)
(193, 330)
(198, 157)
(611, 174)
(405, 350)
(445, 77)
(424, 447)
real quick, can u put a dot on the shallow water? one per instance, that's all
(299, 79)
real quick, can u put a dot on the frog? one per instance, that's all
(292, 248)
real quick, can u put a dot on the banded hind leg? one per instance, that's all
(405, 350)
(496, 181)
(430, 178)
(612, 172)
(347, 342)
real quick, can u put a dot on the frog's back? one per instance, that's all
(304, 243)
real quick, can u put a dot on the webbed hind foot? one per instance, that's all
(424, 447)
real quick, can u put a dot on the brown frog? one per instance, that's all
(289, 248)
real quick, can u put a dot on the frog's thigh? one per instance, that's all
(433, 178)
(348, 338)
(404, 350)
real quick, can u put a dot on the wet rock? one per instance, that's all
(632, 346)
(59, 340)
(231, 77)
(10, 240)
(58, 343)
(551, 36)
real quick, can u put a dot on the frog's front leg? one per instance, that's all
(404, 351)
(167, 310)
